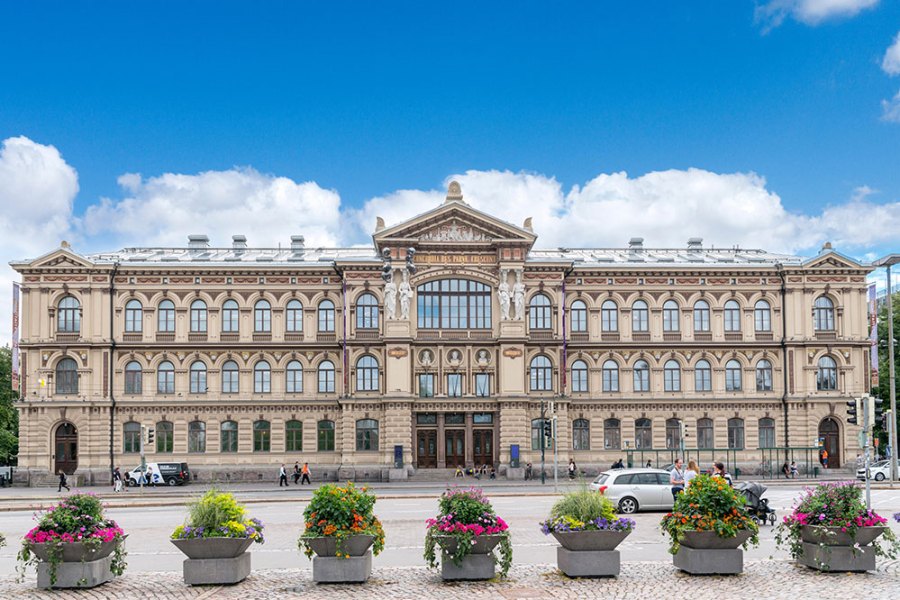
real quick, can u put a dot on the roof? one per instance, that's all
(605, 257)
(232, 256)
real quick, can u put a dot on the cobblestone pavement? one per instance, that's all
(771, 579)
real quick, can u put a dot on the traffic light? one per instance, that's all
(853, 411)
(875, 410)
(548, 429)
(151, 436)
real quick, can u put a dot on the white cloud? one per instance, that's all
(810, 12)
(37, 189)
(890, 109)
(891, 61)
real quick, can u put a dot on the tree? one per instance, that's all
(9, 416)
(883, 390)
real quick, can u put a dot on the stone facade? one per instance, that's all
(242, 359)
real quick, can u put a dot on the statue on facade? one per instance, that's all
(390, 299)
(425, 358)
(406, 294)
(519, 296)
(483, 358)
(503, 293)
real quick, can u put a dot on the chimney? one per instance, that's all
(198, 242)
(239, 243)
(298, 244)
(636, 244)
(695, 244)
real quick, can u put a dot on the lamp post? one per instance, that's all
(887, 262)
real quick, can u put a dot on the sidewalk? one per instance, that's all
(762, 580)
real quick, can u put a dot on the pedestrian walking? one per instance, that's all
(572, 468)
(296, 473)
(676, 478)
(63, 482)
(825, 458)
(282, 477)
(529, 472)
(304, 474)
(649, 464)
(721, 472)
(117, 480)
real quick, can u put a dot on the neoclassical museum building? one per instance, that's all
(437, 347)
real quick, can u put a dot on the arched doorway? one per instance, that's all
(830, 432)
(66, 444)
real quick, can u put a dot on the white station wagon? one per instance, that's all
(636, 489)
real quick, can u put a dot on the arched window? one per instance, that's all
(673, 434)
(609, 316)
(131, 437)
(735, 434)
(367, 374)
(198, 316)
(326, 316)
(705, 438)
(612, 434)
(294, 317)
(67, 376)
(578, 316)
(197, 437)
(581, 434)
(541, 374)
(579, 376)
(326, 377)
(732, 316)
(133, 378)
(643, 434)
(826, 376)
(198, 378)
(701, 316)
(165, 378)
(165, 437)
(230, 379)
(672, 376)
(453, 304)
(539, 312)
(228, 435)
(762, 316)
(537, 435)
(640, 317)
(763, 376)
(262, 317)
(230, 317)
(68, 315)
(766, 433)
(262, 378)
(641, 376)
(134, 317)
(702, 376)
(670, 316)
(262, 436)
(733, 380)
(294, 378)
(366, 435)
(610, 376)
(293, 436)
(367, 312)
(325, 436)
(165, 317)
(824, 314)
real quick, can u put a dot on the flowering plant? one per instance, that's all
(709, 504)
(78, 519)
(216, 515)
(585, 510)
(464, 516)
(341, 512)
(838, 505)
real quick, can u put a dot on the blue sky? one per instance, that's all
(767, 124)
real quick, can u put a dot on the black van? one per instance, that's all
(174, 473)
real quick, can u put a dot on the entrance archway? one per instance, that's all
(66, 449)
(830, 432)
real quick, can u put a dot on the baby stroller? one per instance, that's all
(756, 504)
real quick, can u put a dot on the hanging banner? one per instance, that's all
(15, 338)
(873, 333)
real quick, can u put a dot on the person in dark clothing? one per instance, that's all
(296, 473)
(63, 482)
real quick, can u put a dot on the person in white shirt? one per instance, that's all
(692, 471)
(677, 478)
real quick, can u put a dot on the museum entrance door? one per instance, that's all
(66, 444)
(455, 445)
(830, 433)
(426, 449)
(483, 447)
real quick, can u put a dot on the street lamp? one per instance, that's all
(887, 262)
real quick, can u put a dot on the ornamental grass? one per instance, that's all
(218, 514)
(585, 510)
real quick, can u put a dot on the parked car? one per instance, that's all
(159, 474)
(636, 489)
(879, 471)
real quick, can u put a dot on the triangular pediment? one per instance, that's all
(831, 259)
(61, 258)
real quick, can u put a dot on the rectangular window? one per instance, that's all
(454, 385)
(426, 419)
(325, 436)
(426, 385)
(483, 418)
(455, 419)
(293, 437)
(482, 385)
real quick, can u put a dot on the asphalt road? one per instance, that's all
(403, 517)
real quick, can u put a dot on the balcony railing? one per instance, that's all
(702, 336)
(733, 336)
(672, 336)
(610, 336)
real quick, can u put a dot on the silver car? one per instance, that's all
(636, 489)
(879, 471)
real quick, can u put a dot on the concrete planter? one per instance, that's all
(82, 566)
(589, 553)
(830, 549)
(476, 566)
(330, 568)
(215, 561)
(355, 545)
(705, 553)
